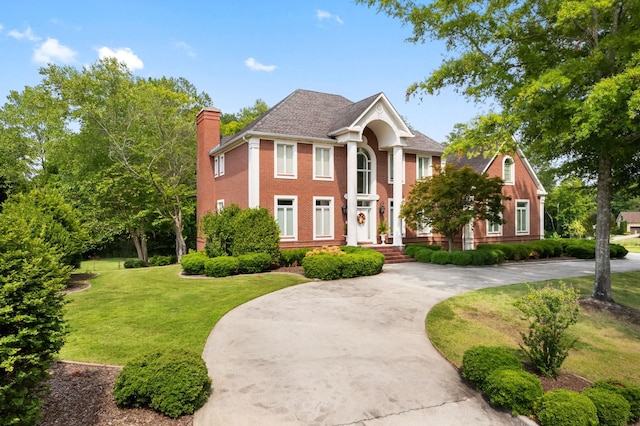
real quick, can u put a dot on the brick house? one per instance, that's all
(330, 170)
(632, 219)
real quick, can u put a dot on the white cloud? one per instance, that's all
(323, 14)
(122, 54)
(52, 51)
(27, 34)
(184, 46)
(257, 66)
(1, 27)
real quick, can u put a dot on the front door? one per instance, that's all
(364, 222)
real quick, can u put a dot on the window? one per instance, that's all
(522, 217)
(286, 217)
(390, 220)
(215, 166)
(285, 160)
(508, 171)
(221, 164)
(364, 171)
(424, 167)
(323, 218)
(391, 168)
(219, 205)
(323, 163)
(494, 229)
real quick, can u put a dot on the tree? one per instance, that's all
(570, 207)
(451, 199)
(230, 124)
(146, 126)
(32, 245)
(565, 75)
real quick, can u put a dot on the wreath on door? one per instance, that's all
(361, 218)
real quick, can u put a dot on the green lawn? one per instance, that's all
(127, 312)
(633, 245)
(606, 348)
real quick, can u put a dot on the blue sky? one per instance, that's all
(237, 52)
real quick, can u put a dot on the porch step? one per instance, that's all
(393, 254)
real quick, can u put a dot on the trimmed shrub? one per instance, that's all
(423, 255)
(173, 383)
(256, 231)
(222, 266)
(461, 258)
(292, 257)
(479, 362)
(563, 407)
(630, 392)
(612, 409)
(353, 262)
(549, 311)
(486, 257)
(412, 248)
(323, 266)
(513, 390)
(441, 257)
(253, 263)
(617, 251)
(581, 249)
(135, 263)
(193, 262)
(162, 260)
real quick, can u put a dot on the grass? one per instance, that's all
(606, 348)
(633, 245)
(127, 312)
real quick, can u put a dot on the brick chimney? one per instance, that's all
(208, 136)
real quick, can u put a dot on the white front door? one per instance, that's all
(364, 222)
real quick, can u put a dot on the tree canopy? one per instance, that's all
(564, 74)
(451, 199)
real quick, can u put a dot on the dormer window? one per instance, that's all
(508, 171)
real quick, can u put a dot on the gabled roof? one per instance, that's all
(309, 115)
(630, 217)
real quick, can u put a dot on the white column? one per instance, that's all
(352, 193)
(398, 175)
(254, 172)
(542, 217)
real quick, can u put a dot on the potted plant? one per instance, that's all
(383, 229)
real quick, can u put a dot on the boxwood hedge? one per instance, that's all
(357, 261)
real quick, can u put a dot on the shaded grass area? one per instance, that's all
(633, 245)
(606, 347)
(127, 312)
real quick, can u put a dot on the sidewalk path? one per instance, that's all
(355, 352)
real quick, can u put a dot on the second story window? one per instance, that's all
(364, 172)
(508, 172)
(285, 160)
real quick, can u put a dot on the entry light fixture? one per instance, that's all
(344, 209)
(381, 209)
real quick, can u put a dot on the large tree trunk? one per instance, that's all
(602, 285)
(181, 246)
(140, 243)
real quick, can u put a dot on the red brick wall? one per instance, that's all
(208, 137)
(233, 186)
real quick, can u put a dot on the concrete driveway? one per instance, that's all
(355, 352)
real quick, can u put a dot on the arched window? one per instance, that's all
(508, 171)
(364, 172)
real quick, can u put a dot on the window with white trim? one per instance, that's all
(494, 229)
(522, 216)
(508, 171)
(286, 216)
(424, 167)
(219, 205)
(322, 162)
(215, 166)
(364, 172)
(391, 167)
(221, 165)
(285, 160)
(390, 220)
(323, 218)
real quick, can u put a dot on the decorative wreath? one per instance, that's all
(361, 218)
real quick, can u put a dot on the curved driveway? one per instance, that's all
(355, 352)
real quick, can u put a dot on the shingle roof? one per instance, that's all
(309, 114)
(630, 217)
(478, 163)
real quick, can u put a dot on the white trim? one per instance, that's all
(276, 198)
(512, 179)
(390, 168)
(219, 205)
(528, 221)
(331, 168)
(253, 172)
(215, 167)
(490, 233)
(294, 160)
(390, 216)
(331, 234)
(373, 170)
(221, 164)
(429, 166)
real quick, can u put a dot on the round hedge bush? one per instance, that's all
(513, 390)
(352, 262)
(612, 409)
(173, 383)
(254, 263)
(135, 263)
(193, 263)
(221, 266)
(563, 407)
(630, 392)
(423, 255)
(441, 257)
(479, 362)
